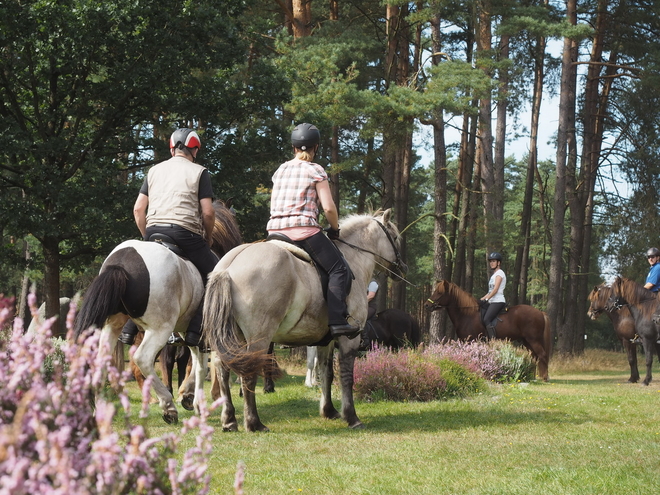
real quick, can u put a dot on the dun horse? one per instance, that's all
(160, 292)
(622, 321)
(262, 293)
(642, 304)
(522, 323)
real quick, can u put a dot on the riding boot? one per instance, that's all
(128, 333)
(491, 331)
(193, 337)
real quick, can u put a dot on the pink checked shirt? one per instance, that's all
(294, 202)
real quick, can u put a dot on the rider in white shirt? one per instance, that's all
(494, 300)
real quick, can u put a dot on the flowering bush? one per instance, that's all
(449, 369)
(409, 375)
(53, 440)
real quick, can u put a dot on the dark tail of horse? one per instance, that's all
(415, 333)
(102, 299)
(222, 331)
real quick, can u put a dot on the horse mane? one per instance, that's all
(601, 293)
(226, 234)
(356, 222)
(635, 294)
(466, 302)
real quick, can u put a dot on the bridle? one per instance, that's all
(398, 264)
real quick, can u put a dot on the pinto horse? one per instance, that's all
(160, 292)
(622, 321)
(262, 293)
(391, 328)
(522, 323)
(643, 304)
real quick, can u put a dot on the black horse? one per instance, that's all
(391, 328)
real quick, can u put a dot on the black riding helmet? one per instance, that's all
(653, 252)
(185, 138)
(495, 256)
(305, 136)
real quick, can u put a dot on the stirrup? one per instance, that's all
(174, 339)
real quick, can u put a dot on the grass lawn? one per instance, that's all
(587, 431)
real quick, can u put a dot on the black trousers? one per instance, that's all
(196, 248)
(489, 316)
(327, 256)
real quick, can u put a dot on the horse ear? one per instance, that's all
(386, 215)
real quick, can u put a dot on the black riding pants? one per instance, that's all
(490, 314)
(327, 256)
(198, 252)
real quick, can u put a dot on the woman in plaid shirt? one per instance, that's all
(299, 188)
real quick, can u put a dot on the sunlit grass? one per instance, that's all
(587, 431)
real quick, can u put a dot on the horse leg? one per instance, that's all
(347, 353)
(166, 358)
(631, 352)
(311, 379)
(538, 352)
(144, 357)
(199, 361)
(250, 415)
(269, 383)
(324, 356)
(228, 416)
(649, 347)
(186, 377)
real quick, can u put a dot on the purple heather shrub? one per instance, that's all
(476, 356)
(398, 376)
(55, 439)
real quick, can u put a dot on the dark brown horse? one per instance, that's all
(522, 323)
(643, 304)
(622, 321)
(391, 328)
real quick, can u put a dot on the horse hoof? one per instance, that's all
(357, 426)
(259, 427)
(232, 427)
(171, 419)
(187, 402)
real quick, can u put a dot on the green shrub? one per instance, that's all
(516, 363)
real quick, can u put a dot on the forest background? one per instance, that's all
(90, 92)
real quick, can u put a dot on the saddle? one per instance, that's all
(169, 243)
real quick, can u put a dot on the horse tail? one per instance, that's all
(415, 333)
(102, 299)
(223, 333)
(547, 336)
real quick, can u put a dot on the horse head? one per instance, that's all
(439, 298)
(598, 298)
(397, 268)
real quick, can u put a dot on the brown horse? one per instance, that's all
(522, 323)
(642, 304)
(622, 321)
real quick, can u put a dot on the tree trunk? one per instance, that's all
(565, 134)
(522, 254)
(485, 142)
(51, 251)
(302, 18)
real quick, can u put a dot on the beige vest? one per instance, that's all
(173, 194)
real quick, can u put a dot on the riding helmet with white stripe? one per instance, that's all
(305, 136)
(185, 138)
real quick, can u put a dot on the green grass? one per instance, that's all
(584, 432)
